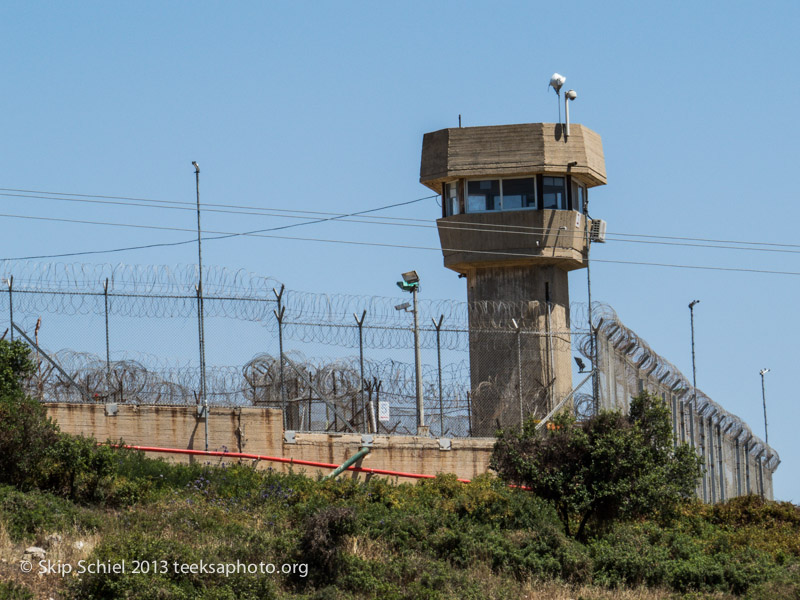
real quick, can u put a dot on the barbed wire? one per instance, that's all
(71, 289)
(138, 279)
(169, 292)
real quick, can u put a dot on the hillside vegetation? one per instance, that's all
(76, 501)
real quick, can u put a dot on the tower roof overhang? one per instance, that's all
(511, 151)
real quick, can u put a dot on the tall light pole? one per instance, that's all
(200, 311)
(694, 375)
(410, 283)
(764, 398)
(592, 332)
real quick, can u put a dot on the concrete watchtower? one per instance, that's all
(513, 224)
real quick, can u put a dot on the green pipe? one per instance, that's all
(348, 463)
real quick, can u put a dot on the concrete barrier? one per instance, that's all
(260, 431)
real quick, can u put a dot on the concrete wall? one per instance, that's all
(511, 150)
(734, 457)
(260, 431)
(513, 237)
(517, 375)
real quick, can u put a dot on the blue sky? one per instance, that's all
(322, 107)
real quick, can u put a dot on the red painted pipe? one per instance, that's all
(279, 459)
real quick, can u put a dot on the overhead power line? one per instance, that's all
(297, 214)
(217, 235)
(189, 241)
(398, 222)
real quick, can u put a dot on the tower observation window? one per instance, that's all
(554, 193)
(518, 193)
(578, 195)
(483, 195)
(501, 194)
(451, 199)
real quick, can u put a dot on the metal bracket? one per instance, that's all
(544, 421)
(57, 367)
(445, 443)
(111, 409)
(289, 437)
(366, 441)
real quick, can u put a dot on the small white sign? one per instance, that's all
(383, 410)
(578, 221)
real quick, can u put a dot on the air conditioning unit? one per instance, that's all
(597, 233)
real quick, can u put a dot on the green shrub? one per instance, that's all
(323, 538)
(609, 467)
(13, 591)
(627, 557)
(26, 433)
(15, 366)
(76, 467)
(29, 514)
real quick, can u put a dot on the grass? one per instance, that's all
(436, 540)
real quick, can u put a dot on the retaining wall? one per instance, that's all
(260, 431)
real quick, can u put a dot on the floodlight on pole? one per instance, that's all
(410, 283)
(556, 82)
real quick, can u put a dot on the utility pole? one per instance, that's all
(200, 310)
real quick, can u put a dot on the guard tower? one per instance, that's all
(513, 223)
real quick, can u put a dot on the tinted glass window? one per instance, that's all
(554, 193)
(519, 193)
(451, 198)
(483, 195)
(578, 196)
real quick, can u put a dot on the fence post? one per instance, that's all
(108, 345)
(469, 413)
(701, 448)
(438, 326)
(360, 323)
(11, 306)
(200, 337)
(518, 330)
(747, 466)
(720, 463)
(333, 387)
(279, 316)
(310, 402)
(39, 383)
